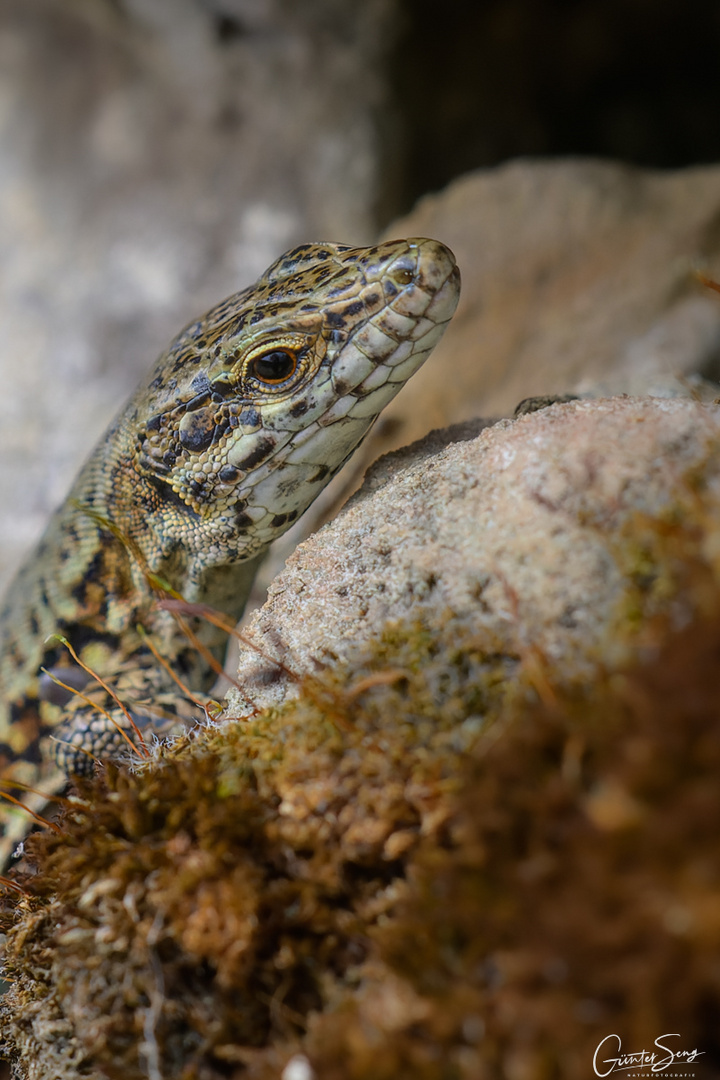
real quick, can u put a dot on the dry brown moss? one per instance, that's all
(406, 873)
(197, 909)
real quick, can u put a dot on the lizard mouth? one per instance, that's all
(421, 288)
(407, 297)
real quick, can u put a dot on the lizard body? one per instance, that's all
(239, 425)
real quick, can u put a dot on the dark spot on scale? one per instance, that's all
(78, 593)
(341, 387)
(7, 752)
(157, 382)
(309, 307)
(292, 515)
(200, 384)
(228, 474)
(390, 289)
(197, 430)
(198, 400)
(372, 298)
(335, 319)
(279, 519)
(257, 317)
(169, 458)
(322, 472)
(299, 408)
(337, 291)
(262, 450)
(34, 623)
(33, 753)
(250, 418)
(243, 520)
(222, 386)
(82, 636)
(355, 308)
(194, 487)
(360, 392)
(93, 572)
(172, 498)
(154, 422)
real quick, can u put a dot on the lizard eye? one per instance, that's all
(274, 367)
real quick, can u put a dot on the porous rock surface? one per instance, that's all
(515, 532)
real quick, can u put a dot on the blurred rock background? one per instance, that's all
(155, 155)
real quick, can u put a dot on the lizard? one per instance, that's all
(239, 425)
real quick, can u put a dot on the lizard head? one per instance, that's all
(254, 407)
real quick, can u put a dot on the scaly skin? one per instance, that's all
(239, 426)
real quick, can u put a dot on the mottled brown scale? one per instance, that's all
(209, 461)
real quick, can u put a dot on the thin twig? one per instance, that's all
(38, 817)
(161, 660)
(214, 617)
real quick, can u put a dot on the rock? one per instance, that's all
(529, 533)
(578, 276)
